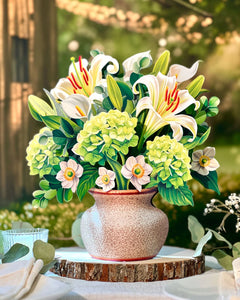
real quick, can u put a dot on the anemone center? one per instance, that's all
(69, 174)
(105, 179)
(204, 161)
(138, 171)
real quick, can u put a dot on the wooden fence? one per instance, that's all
(28, 63)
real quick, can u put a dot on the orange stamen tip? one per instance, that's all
(80, 111)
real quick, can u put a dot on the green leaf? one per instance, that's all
(51, 178)
(197, 141)
(68, 194)
(59, 138)
(60, 195)
(107, 104)
(195, 86)
(56, 106)
(214, 101)
(50, 194)
(43, 251)
(200, 117)
(202, 243)
(116, 167)
(44, 185)
(134, 77)
(125, 90)
(43, 203)
(38, 194)
(220, 238)
(87, 180)
(224, 259)
(39, 108)
(15, 252)
(21, 225)
(144, 62)
(76, 233)
(161, 64)
(129, 107)
(67, 128)
(52, 122)
(209, 181)
(180, 196)
(114, 93)
(196, 229)
(236, 250)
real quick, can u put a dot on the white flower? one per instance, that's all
(137, 171)
(132, 64)
(106, 179)
(69, 174)
(183, 73)
(203, 161)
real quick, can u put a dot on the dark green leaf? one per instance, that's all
(161, 64)
(180, 196)
(107, 104)
(134, 77)
(209, 181)
(68, 194)
(87, 180)
(125, 90)
(67, 128)
(59, 138)
(51, 178)
(60, 195)
(116, 167)
(15, 252)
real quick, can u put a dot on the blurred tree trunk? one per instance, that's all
(28, 62)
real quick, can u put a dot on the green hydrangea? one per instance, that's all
(106, 134)
(41, 153)
(169, 160)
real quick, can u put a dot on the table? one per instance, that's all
(215, 283)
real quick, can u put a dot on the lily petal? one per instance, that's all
(183, 73)
(130, 63)
(62, 89)
(186, 100)
(77, 107)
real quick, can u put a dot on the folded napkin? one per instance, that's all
(16, 278)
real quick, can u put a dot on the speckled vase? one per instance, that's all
(124, 225)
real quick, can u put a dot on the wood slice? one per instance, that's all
(168, 264)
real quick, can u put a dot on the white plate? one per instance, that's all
(202, 287)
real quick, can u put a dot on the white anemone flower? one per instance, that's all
(137, 171)
(82, 81)
(131, 63)
(77, 107)
(203, 161)
(106, 179)
(183, 73)
(69, 174)
(165, 102)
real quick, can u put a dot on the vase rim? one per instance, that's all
(123, 192)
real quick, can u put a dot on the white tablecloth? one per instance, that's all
(215, 283)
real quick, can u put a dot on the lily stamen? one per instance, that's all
(80, 111)
(80, 63)
(75, 81)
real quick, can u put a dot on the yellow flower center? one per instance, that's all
(69, 174)
(105, 179)
(138, 171)
(204, 161)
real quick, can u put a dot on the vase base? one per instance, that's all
(123, 259)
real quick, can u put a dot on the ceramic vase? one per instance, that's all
(123, 225)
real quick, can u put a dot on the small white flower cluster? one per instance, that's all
(231, 206)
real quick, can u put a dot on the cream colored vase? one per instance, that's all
(123, 225)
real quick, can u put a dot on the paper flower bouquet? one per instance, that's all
(111, 127)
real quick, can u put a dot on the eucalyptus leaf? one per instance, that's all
(43, 251)
(76, 233)
(43, 139)
(15, 252)
(196, 229)
(236, 250)
(224, 259)
(220, 238)
(48, 266)
(202, 243)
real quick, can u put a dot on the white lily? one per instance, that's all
(129, 65)
(82, 81)
(164, 102)
(183, 73)
(77, 107)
